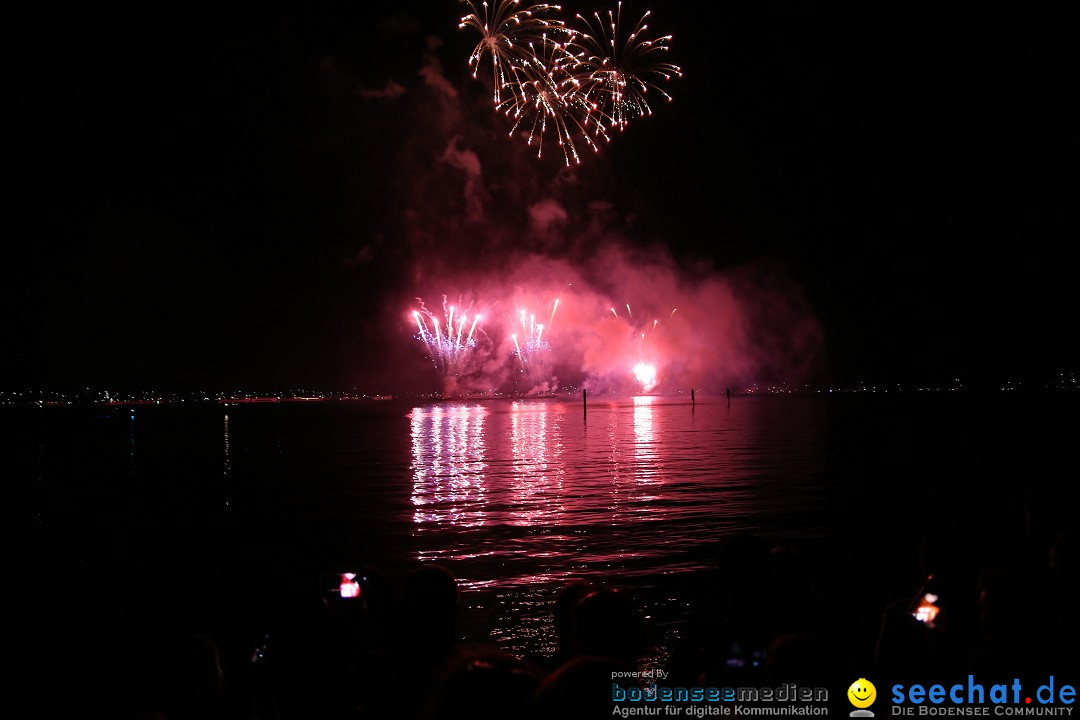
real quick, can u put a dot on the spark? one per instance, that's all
(543, 102)
(505, 32)
(567, 85)
(614, 72)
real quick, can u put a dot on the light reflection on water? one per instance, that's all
(520, 497)
(516, 498)
(536, 440)
(448, 465)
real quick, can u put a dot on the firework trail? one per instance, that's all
(613, 73)
(464, 355)
(532, 335)
(532, 350)
(442, 334)
(505, 31)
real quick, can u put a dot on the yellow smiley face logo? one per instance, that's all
(862, 693)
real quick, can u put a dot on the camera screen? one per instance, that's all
(349, 586)
(927, 609)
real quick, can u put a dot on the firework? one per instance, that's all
(543, 100)
(532, 342)
(645, 373)
(505, 31)
(532, 352)
(614, 74)
(567, 84)
(441, 332)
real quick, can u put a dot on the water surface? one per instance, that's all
(236, 511)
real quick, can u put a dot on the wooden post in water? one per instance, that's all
(584, 403)
(692, 401)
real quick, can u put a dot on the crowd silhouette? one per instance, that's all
(760, 618)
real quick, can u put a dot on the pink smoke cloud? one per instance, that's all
(500, 233)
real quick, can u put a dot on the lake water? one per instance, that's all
(228, 511)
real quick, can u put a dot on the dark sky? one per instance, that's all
(213, 195)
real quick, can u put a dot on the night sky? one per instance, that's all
(246, 194)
